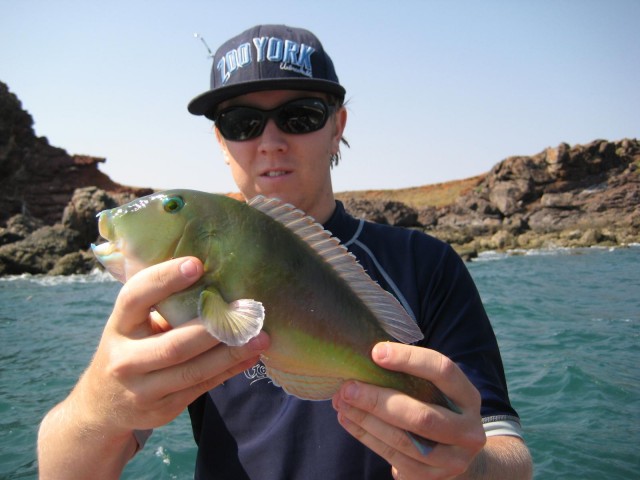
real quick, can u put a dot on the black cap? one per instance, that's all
(268, 57)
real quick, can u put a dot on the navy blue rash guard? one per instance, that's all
(248, 428)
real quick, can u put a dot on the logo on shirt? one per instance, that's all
(256, 373)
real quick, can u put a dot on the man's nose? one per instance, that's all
(272, 138)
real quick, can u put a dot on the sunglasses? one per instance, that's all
(303, 115)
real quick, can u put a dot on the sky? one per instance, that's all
(436, 90)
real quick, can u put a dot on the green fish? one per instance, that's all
(268, 266)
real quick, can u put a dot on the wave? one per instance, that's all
(96, 276)
(493, 255)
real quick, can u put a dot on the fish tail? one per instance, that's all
(429, 393)
(424, 445)
(451, 406)
(436, 396)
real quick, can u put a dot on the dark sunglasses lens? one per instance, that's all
(299, 116)
(304, 116)
(240, 123)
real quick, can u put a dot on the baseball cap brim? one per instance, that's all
(207, 102)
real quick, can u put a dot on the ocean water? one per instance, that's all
(568, 323)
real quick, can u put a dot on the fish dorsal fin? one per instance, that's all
(393, 318)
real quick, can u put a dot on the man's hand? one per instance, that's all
(143, 375)
(380, 417)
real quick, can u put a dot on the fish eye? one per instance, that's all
(173, 204)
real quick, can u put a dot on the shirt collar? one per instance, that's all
(342, 225)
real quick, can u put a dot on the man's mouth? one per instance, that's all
(275, 173)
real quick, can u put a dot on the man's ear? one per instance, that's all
(340, 124)
(219, 137)
(223, 145)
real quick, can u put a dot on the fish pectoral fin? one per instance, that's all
(306, 387)
(232, 323)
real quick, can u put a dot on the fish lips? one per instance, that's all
(111, 258)
(109, 254)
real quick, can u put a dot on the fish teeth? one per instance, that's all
(104, 249)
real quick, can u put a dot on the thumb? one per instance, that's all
(149, 287)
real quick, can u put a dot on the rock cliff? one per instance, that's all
(41, 220)
(37, 179)
(568, 196)
(581, 195)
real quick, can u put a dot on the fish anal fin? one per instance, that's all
(304, 386)
(232, 323)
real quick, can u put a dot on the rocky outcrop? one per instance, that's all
(49, 198)
(59, 249)
(565, 196)
(37, 179)
(388, 212)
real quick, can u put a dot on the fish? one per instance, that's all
(268, 266)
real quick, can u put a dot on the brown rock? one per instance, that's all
(80, 213)
(73, 263)
(39, 252)
(558, 200)
(36, 178)
(383, 211)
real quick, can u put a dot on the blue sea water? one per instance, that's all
(568, 323)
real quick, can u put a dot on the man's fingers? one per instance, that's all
(183, 382)
(395, 448)
(172, 347)
(401, 411)
(148, 287)
(217, 365)
(431, 365)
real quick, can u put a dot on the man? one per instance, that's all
(279, 116)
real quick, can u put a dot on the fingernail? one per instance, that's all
(344, 421)
(257, 343)
(351, 391)
(189, 269)
(380, 351)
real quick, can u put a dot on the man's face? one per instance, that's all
(292, 167)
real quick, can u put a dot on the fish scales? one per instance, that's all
(300, 292)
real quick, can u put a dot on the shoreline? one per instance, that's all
(98, 275)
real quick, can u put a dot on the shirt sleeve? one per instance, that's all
(507, 427)
(455, 324)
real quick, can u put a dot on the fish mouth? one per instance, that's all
(104, 249)
(111, 258)
(109, 254)
(105, 225)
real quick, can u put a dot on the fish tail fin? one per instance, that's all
(424, 445)
(429, 393)
(452, 406)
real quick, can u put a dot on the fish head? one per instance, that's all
(144, 232)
